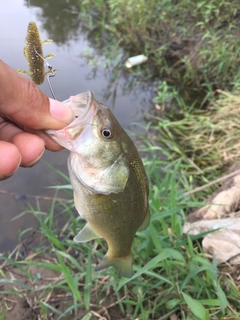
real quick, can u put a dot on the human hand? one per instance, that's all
(24, 113)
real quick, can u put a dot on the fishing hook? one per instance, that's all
(50, 68)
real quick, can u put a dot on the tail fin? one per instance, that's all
(122, 264)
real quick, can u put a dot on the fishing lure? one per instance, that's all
(33, 52)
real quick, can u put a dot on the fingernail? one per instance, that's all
(61, 112)
(31, 164)
(10, 174)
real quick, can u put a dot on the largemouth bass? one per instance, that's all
(108, 179)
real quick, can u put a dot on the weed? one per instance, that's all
(205, 140)
(172, 276)
(189, 42)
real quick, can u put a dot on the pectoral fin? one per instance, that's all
(86, 234)
(145, 223)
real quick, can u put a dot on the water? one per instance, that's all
(71, 44)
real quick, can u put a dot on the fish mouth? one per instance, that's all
(84, 107)
(80, 104)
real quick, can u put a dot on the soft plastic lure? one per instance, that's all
(34, 54)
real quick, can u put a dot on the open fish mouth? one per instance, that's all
(80, 104)
(85, 109)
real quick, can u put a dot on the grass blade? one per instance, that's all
(196, 307)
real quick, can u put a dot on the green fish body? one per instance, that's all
(108, 178)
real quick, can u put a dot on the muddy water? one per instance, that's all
(72, 47)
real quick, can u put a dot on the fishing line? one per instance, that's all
(30, 11)
(51, 75)
(50, 68)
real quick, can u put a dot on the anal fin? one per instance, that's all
(86, 234)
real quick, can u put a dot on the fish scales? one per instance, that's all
(109, 181)
(101, 213)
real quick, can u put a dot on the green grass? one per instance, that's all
(189, 43)
(206, 140)
(192, 45)
(171, 273)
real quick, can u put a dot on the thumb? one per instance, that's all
(24, 104)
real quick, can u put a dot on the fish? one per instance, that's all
(33, 52)
(110, 185)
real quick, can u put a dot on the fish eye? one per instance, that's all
(106, 133)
